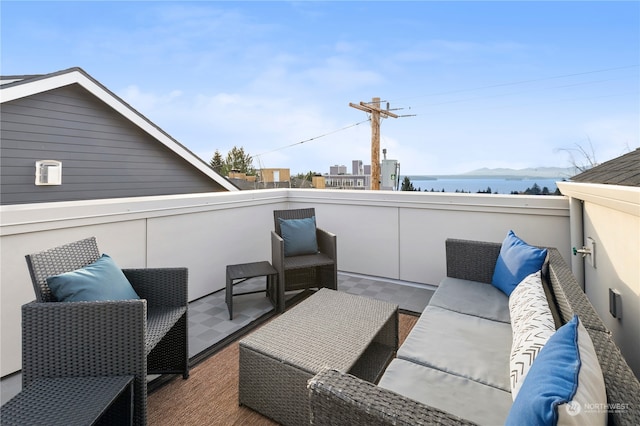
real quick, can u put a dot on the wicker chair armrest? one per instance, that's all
(160, 286)
(471, 260)
(277, 252)
(326, 243)
(76, 339)
(337, 398)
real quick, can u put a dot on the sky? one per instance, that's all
(476, 84)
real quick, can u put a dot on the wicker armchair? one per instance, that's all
(305, 271)
(110, 338)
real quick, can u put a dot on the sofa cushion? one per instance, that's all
(460, 344)
(532, 324)
(516, 260)
(564, 384)
(100, 280)
(299, 236)
(472, 298)
(447, 392)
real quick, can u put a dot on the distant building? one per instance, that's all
(318, 182)
(338, 170)
(339, 179)
(266, 178)
(274, 175)
(357, 167)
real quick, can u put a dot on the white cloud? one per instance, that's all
(217, 75)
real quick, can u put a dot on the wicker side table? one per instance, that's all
(354, 334)
(72, 401)
(237, 274)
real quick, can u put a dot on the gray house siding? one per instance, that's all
(103, 154)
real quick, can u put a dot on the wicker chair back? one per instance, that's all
(59, 260)
(291, 214)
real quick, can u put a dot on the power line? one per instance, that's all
(314, 138)
(485, 108)
(562, 86)
(514, 83)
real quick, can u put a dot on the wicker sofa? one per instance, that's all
(411, 393)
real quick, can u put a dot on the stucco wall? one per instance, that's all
(611, 217)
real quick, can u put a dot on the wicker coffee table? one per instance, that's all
(355, 334)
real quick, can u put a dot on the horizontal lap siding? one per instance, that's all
(103, 154)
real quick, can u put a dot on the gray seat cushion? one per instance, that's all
(461, 344)
(485, 405)
(472, 298)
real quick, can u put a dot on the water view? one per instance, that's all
(497, 185)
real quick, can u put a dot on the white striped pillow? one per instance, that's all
(532, 325)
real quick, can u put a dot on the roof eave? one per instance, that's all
(619, 197)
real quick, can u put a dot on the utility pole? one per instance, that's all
(373, 108)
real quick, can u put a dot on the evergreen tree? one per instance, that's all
(217, 163)
(535, 189)
(236, 160)
(407, 185)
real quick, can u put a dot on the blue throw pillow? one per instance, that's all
(565, 385)
(299, 236)
(101, 280)
(516, 261)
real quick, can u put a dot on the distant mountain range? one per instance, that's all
(538, 172)
(504, 173)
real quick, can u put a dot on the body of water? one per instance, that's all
(499, 185)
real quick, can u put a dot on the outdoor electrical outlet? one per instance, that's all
(591, 246)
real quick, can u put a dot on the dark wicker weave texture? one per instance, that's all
(112, 338)
(471, 260)
(306, 271)
(77, 401)
(340, 399)
(337, 398)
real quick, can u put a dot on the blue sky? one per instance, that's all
(487, 84)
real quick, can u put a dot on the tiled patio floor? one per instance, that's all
(209, 318)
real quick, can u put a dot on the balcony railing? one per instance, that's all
(395, 235)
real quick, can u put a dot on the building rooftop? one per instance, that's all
(623, 170)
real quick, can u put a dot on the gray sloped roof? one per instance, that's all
(623, 170)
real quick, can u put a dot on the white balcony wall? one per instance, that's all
(401, 235)
(397, 235)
